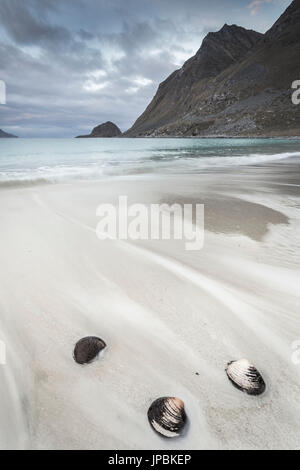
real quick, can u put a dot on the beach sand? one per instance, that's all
(164, 312)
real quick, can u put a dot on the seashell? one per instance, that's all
(87, 349)
(167, 416)
(245, 377)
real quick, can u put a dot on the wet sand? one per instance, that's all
(164, 312)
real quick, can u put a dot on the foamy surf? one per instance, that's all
(31, 162)
(62, 174)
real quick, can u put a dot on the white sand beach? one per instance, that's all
(164, 312)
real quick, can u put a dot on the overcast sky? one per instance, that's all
(72, 64)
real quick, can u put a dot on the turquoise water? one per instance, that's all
(55, 160)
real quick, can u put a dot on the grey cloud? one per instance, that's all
(24, 28)
(85, 35)
(71, 64)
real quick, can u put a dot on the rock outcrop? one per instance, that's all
(238, 84)
(107, 129)
(5, 135)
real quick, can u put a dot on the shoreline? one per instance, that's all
(285, 137)
(250, 137)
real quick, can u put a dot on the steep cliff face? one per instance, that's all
(107, 129)
(238, 83)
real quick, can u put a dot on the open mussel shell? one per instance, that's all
(87, 349)
(167, 416)
(245, 377)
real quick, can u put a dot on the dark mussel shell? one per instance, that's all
(87, 349)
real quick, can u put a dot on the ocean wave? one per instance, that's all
(250, 159)
(48, 175)
(179, 163)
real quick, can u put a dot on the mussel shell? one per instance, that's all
(167, 416)
(87, 349)
(245, 377)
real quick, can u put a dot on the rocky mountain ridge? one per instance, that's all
(237, 84)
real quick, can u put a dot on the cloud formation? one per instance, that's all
(72, 64)
(255, 5)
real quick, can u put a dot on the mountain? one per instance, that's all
(237, 84)
(107, 129)
(6, 135)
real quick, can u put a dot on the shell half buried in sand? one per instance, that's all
(87, 349)
(167, 416)
(245, 377)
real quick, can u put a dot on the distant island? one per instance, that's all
(107, 129)
(5, 135)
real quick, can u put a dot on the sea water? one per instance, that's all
(30, 161)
